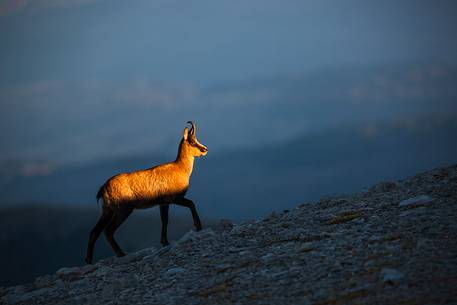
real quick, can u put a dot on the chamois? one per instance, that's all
(160, 185)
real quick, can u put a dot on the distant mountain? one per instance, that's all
(242, 184)
(247, 184)
(78, 122)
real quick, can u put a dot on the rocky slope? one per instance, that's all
(60, 233)
(395, 243)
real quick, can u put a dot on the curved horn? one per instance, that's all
(193, 128)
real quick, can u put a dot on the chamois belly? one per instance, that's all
(145, 203)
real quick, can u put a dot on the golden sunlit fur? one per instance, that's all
(157, 185)
(160, 185)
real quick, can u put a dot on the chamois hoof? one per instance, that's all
(164, 244)
(88, 260)
(120, 254)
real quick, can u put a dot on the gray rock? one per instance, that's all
(188, 237)
(146, 252)
(128, 258)
(68, 271)
(102, 271)
(416, 200)
(174, 271)
(87, 269)
(390, 275)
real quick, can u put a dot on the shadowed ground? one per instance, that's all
(36, 240)
(393, 244)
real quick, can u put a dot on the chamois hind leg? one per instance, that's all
(190, 204)
(164, 217)
(95, 233)
(119, 217)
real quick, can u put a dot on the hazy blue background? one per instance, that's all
(295, 99)
(89, 88)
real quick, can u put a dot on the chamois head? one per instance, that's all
(191, 143)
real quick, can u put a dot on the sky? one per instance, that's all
(82, 80)
(208, 42)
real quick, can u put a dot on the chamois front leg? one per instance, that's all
(190, 204)
(164, 218)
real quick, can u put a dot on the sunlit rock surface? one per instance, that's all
(393, 244)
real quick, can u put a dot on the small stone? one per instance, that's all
(88, 269)
(69, 274)
(174, 271)
(128, 258)
(206, 234)
(68, 271)
(307, 247)
(375, 238)
(80, 284)
(146, 252)
(237, 229)
(416, 200)
(102, 271)
(222, 267)
(279, 275)
(267, 257)
(390, 275)
(188, 237)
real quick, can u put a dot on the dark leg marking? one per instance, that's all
(95, 233)
(190, 204)
(164, 218)
(118, 218)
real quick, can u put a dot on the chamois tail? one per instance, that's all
(100, 192)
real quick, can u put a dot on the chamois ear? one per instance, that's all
(185, 134)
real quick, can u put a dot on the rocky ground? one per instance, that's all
(395, 243)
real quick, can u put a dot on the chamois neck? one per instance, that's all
(185, 159)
